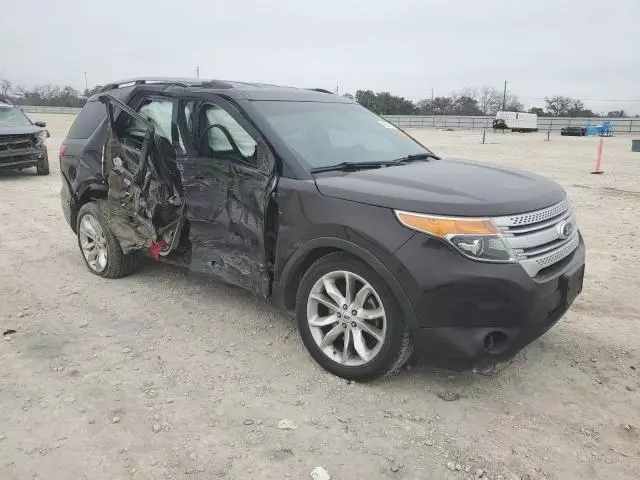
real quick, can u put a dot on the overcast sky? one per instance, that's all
(586, 49)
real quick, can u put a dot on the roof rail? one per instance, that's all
(180, 82)
(321, 90)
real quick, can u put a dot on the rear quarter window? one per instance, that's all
(88, 120)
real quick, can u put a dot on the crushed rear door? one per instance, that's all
(145, 202)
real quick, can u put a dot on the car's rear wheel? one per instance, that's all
(350, 321)
(100, 249)
(42, 167)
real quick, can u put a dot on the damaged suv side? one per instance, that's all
(310, 200)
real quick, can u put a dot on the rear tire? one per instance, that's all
(378, 341)
(42, 168)
(99, 247)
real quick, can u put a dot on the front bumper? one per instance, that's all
(474, 313)
(24, 158)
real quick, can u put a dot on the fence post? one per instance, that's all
(630, 124)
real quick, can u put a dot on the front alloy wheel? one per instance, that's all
(346, 318)
(349, 320)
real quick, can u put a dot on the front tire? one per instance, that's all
(100, 249)
(349, 320)
(42, 167)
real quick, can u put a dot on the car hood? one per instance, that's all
(20, 130)
(445, 187)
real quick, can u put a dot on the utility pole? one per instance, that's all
(197, 70)
(504, 96)
(86, 82)
(431, 94)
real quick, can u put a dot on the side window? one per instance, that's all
(158, 112)
(88, 120)
(221, 135)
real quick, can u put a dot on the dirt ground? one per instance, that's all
(166, 376)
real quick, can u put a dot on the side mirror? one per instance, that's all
(40, 123)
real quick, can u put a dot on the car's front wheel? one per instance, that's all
(101, 250)
(42, 167)
(350, 321)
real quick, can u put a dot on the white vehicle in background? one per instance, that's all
(516, 121)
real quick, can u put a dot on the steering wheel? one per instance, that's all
(226, 133)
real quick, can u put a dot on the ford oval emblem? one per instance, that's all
(565, 229)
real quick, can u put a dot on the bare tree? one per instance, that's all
(558, 106)
(489, 100)
(5, 86)
(513, 103)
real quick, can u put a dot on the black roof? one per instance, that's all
(237, 90)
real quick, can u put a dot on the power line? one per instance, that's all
(587, 99)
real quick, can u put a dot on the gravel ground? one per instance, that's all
(166, 376)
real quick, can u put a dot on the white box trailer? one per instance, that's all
(516, 121)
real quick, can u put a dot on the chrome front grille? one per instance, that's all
(539, 239)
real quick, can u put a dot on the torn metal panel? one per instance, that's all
(226, 209)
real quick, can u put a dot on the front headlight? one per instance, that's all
(40, 137)
(476, 238)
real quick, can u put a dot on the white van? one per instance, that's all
(516, 121)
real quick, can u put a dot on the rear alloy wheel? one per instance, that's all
(93, 243)
(101, 250)
(349, 320)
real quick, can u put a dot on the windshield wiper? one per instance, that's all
(352, 166)
(416, 156)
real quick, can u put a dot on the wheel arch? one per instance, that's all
(90, 193)
(317, 248)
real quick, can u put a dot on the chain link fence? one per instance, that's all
(621, 126)
(42, 109)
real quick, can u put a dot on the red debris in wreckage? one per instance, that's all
(156, 247)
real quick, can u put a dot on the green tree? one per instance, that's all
(425, 107)
(442, 106)
(538, 111)
(465, 105)
(384, 103)
(89, 92)
(367, 98)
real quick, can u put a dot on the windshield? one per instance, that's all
(12, 117)
(323, 134)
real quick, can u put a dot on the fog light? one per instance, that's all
(496, 342)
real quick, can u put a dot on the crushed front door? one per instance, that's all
(228, 182)
(145, 203)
